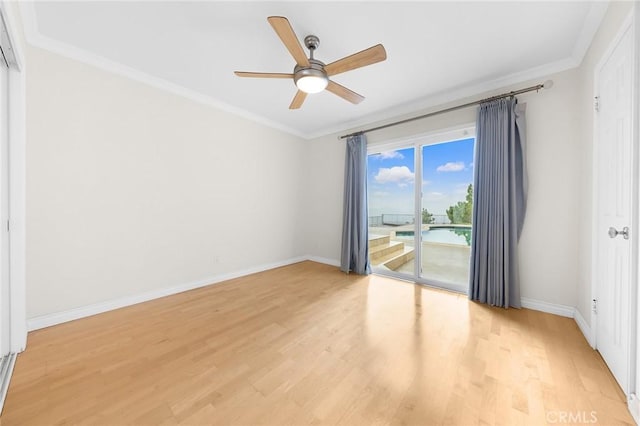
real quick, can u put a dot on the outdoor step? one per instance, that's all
(379, 251)
(399, 260)
(382, 253)
(377, 240)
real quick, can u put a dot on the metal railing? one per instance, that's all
(375, 220)
(440, 219)
(404, 219)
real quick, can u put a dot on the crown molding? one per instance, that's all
(451, 95)
(590, 27)
(35, 38)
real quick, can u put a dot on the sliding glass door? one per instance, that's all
(420, 229)
(391, 195)
(447, 200)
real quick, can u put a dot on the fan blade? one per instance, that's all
(283, 28)
(361, 59)
(263, 74)
(344, 93)
(298, 99)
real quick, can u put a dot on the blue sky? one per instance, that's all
(446, 172)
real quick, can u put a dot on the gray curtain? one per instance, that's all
(499, 202)
(355, 233)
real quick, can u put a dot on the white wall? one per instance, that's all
(131, 189)
(548, 246)
(616, 14)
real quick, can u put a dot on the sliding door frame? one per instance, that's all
(17, 179)
(417, 142)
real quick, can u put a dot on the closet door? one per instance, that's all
(5, 305)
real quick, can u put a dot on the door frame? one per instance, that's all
(416, 142)
(629, 24)
(17, 180)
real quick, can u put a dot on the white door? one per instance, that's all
(5, 304)
(614, 154)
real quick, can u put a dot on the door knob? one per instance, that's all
(613, 232)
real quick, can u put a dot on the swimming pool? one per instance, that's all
(460, 235)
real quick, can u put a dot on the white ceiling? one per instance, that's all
(436, 51)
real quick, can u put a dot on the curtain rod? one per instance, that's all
(546, 85)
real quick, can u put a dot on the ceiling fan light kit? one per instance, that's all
(311, 75)
(312, 79)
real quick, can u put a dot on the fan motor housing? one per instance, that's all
(315, 68)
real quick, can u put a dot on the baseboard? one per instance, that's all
(562, 310)
(98, 308)
(584, 327)
(550, 308)
(634, 407)
(325, 260)
(49, 320)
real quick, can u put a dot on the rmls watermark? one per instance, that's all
(561, 416)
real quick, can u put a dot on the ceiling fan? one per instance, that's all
(311, 75)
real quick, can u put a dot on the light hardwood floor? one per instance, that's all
(307, 344)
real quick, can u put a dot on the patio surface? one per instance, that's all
(440, 262)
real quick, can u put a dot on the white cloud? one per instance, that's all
(451, 167)
(398, 174)
(381, 194)
(386, 155)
